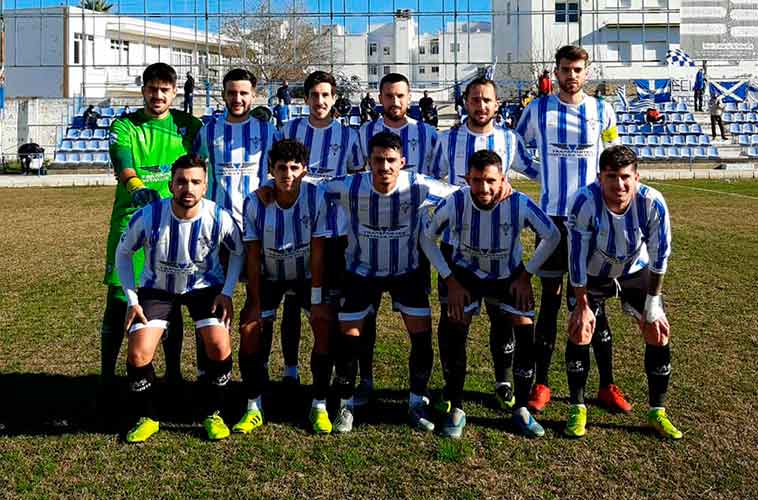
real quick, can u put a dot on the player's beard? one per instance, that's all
(245, 111)
(187, 204)
(566, 87)
(480, 123)
(395, 114)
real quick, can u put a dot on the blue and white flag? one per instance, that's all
(732, 90)
(657, 90)
(621, 94)
(678, 57)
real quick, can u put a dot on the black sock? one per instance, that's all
(523, 369)
(501, 345)
(577, 369)
(546, 328)
(267, 339)
(141, 387)
(420, 361)
(368, 341)
(217, 378)
(290, 330)
(321, 370)
(254, 373)
(172, 344)
(347, 351)
(111, 335)
(658, 369)
(452, 343)
(602, 346)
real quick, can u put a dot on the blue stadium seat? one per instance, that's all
(666, 140)
(681, 106)
(730, 106)
(671, 129)
(691, 140)
(631, 129)
(619, 108)
(695, 129)
(688, 118)
(743, 140)
(668, 107)
(645, 129)
(104, 122)
(79, 146)
(699, 153)
(72, 158)
(73, 133)
(60, 158)
(101, 159)
(621, 129)
(746, 128)
(672, 152)
(682, 129)
(659, 153)
(751, 117)
(653, 140)
(66, 145)
(100, 133)
(734, 128)
(678, 140)
(627, 140)
(93, 145)
(107, 112)
(727, 117)
(738, 117)
(752, 152)
(674, 117)
(713, 153)
(754, 139)
(743, 106)
(86, 134)
(644, 153)
(704, 140)
(639, 140)
(104, 145)
(659, 129)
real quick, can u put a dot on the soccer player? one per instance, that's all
(418, 140)
(481, 258)
(383, 207)
(619, 245)
(452, 158)
(143, 145)
(182, 237)
(570, 130)
(278, 238)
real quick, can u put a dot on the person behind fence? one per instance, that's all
(545, 84)
(189, 94)
(699, 88)
(716, 107)
(367, 108)
(182, 237)
(90, 117)
(622, 252)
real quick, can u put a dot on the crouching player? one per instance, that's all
(619, 245)
(181, 237)
(480, 258)
(278, 238)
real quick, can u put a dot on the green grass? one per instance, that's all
(53, 443)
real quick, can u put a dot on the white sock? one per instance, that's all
(254, 404)
(498, 385)
(522, 413)
(416, 399)
(652, 408)
(319, 403)
(346, 403)
(291, 371)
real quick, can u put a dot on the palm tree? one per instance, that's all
(96, 5)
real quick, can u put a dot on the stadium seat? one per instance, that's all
(60, 158)
(682, 129)
(653, 140)
(671, 129)
(666, 140)
(734, 128)
(100, 159)
(681, 106)
(754, 139)
(644, 153)
(673, 152)
(79, 146)
(743, 106)
(704, 140)
(627, 140)
(93, 145)
(752, 152)
(678, 140)
(699, 153)
(104, 145)
(688, 118)
(86, 158)
(631, 129)
(743, 140)
(659, 129)
(713, 152)
(738, 118)
(674, 117)
(619, 108)
(107, 112)
(727, 117)
(72, 158)
(73, 133)
(66, 145)
(751, 117)
(667, 107)
(746, 128)
(659, 153)
(695, 129)
(639, 140)
(691, 140)
(86, 134)
(730, 106)
(645, 129)
(104, 122)
(100, 133)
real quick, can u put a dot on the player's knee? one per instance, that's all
(516, 320)
(138, 357)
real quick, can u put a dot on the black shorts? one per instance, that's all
(494, 292)
(157, 306)
(557, 264)
(631, 289)
(363, 295)
(272, 293)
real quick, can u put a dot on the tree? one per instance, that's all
(278, 45)
(96, 5)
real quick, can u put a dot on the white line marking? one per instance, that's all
(738, 195)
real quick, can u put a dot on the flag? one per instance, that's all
(732, 90)
(657, 90)
(621, 94)
(678, 57)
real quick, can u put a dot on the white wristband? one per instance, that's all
(653, 308)
(315, 295)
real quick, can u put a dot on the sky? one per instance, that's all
(350, 13)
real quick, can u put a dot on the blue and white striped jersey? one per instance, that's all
(383, 229)
(237, 156)
(488, 242)
(285, 233)
(569, 141)
(418, 138)
(181, 255)
(334, 149)
(609, 245)
(456, 146)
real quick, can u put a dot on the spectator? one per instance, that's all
(545, 84)
(699, 88)
(125, 111)
(652, 116)
(459, 101)
(90, 117)
(283, 94)
(426, 103)
(368, 106)
(189, 93)
(716, 106)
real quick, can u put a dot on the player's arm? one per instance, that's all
(654, 324)
(131, 241)
(440, 166)
(580, 234)
(524, 162)
(525, 127)
(356, 161)
(232, 240)
(427, 166)
(123, 165)
(253, 257)
(200, 142)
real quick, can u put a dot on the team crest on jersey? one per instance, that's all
(305, 221)
(505, 228)
(405, 207)
(255, 142)
(334, 149)
(113, 139)
(413, 143)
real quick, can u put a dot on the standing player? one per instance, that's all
(334, 151)
(481, 258)
(570, 130)
(619, 245)
(182, 237)
(451, 161)
(278, 239)
(418, 140)
(383, 207)
(143, 145)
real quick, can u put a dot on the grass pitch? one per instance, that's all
(53, 444)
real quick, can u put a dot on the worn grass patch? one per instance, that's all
(54, 444)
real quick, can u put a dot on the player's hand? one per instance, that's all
(226, 307)
(521, 289)
(143, 197)
(505, 192)
(457, 300)
(321, 312)
(581, 325)
(251, 313)
(656, 333)
(265, 194)
(134, 313)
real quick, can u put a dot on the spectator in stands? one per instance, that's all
(545, 84)
(653, 116)
(283, 94)
(368, 105)
(90, 117)
(125, 111)
(716, 106)
(699, 88)
(426, 103)
(460, 104)
(189, 93)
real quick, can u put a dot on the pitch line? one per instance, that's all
(715, 191)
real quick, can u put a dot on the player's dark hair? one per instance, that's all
(385, 140)
(483, 159)
(391, 78)
(239, 75)
(319, 77)
(159, 72)
(188, 161)
(572, 53)
(288, 150)
(617, 157)
(479, 80)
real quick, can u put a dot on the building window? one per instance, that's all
(435, 69)
(455, 47)
(373, 70)
(181, 58)
(386, 51)
(619, 52)
(121, 50)
(656, 51)
(435, 46)
(372, 49)
(422, 50)
(421, 70)
(386, 70)
(78, 53)
(566, 12)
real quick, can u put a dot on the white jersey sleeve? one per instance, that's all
(131, 240)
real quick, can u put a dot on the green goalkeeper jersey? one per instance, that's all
(148, 146)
